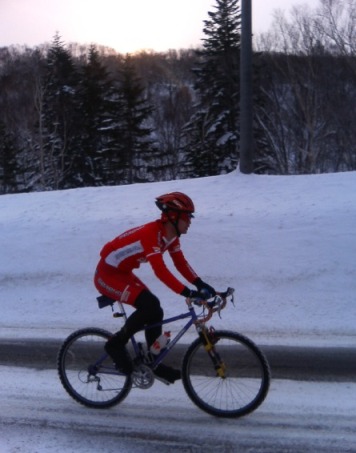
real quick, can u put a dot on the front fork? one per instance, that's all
(209, 340)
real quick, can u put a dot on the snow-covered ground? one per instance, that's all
(37, 416)
(286, 243)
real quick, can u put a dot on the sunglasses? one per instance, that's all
(186, 216)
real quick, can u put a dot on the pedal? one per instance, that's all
(164, 381)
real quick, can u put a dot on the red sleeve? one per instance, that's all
(181, 263)
(162, 272)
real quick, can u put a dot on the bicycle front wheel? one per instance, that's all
(87, 373)
(240, 384)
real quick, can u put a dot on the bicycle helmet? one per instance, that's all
(175, 201)
(175, 205)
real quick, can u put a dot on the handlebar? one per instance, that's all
(217, 304)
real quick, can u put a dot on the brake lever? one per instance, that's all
(230, 292)
(219, 309)
(232, 297)
(216, 302)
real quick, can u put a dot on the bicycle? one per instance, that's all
(223, 372)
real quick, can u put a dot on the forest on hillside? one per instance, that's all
(73, 115)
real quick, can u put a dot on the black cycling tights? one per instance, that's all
(148, 311)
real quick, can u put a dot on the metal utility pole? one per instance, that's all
(246, 116)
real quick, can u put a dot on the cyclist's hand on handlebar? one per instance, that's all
(206, 291)
(191, 293)
(202, 294)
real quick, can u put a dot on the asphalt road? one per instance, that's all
(296, 363)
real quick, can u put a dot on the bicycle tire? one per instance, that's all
(246, 378)
(96, 386)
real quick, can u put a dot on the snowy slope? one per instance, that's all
(286, 243)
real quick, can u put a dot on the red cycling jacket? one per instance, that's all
(147, 243)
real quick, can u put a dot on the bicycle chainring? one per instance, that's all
(142, 377)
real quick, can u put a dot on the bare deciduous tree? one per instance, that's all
(311, 56)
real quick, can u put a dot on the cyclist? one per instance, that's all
(114, 276)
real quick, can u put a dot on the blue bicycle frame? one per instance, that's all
(105, 301)
(158, 358)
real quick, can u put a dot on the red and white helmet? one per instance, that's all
(175, 201)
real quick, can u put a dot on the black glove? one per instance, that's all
(191, 293)
(206, 291)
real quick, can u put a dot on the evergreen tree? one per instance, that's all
(63, 160)
(131, 151)
(212, 133)
(95, 93)
(8, 162)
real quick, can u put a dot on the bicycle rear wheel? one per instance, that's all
(87, 373)
(244, 383)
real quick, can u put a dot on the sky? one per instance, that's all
(285, 243)
(125, 25)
